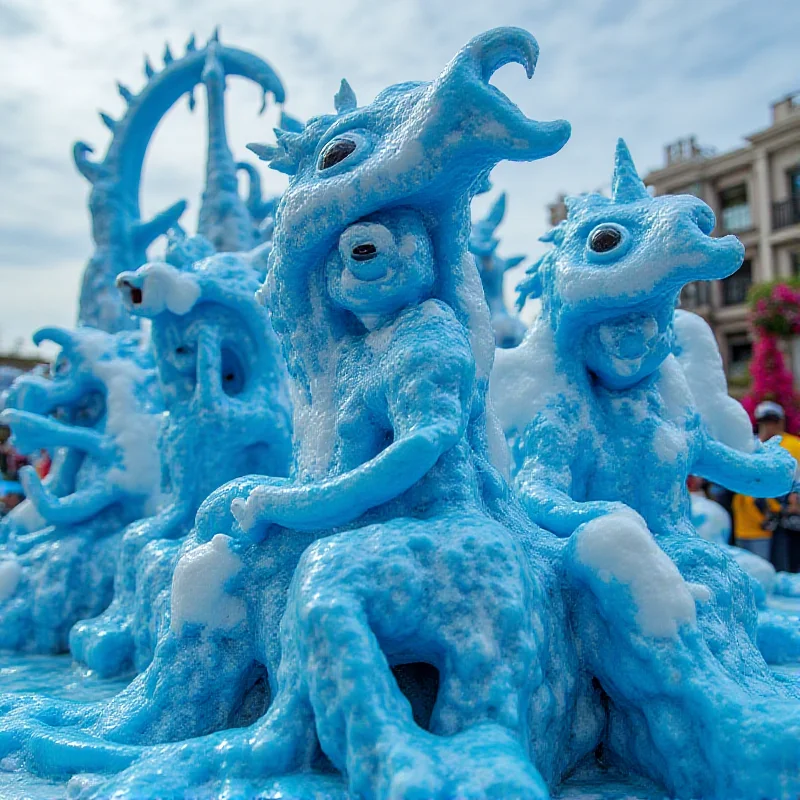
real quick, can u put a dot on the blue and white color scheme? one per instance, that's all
(352, 588)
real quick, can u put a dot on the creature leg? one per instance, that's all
(408, 592)
(691, 702)
(57, 582)
(106, 643)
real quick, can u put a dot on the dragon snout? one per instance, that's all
(126, 283)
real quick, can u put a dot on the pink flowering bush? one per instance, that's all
(772, 380)
(775, 309)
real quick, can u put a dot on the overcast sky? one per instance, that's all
(648, 70)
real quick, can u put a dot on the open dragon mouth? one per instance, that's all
(134, 293)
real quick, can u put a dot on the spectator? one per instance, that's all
(764, 526)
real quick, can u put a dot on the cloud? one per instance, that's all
(651, 72)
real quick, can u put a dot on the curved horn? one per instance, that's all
(492, 121)
(90, 170)
(64, 338)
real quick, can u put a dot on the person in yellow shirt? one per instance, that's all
(749, 514)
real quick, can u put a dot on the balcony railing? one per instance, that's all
(786, 213)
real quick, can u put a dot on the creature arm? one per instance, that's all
(545, 480)
(768, 472)
(429, 385)
(69, 510)
(34, 431)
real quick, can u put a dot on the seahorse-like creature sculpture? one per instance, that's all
(388, 340)
(121, 237)
(508, 328)
(100, 413)
(227, 414)
(605, 425)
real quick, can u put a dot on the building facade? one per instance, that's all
(755, 194)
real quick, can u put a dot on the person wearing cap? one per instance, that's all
(751, 517)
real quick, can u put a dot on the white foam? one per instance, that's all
(699, 358)
(10, 573)
(525, 378)
(167, 289)
(619, 547)
(198, 587)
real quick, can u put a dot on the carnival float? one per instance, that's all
(334, 524)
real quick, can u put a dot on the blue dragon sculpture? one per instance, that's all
(227, 414)
(610, 402)
(508, 329)
(100, 412)
(121, 237)
(388, 341)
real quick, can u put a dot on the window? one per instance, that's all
(740, 351)
(735, 209)
(795, 262)
(736, 286)
(794, 181)
(694, 295)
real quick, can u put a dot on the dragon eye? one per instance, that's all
(604, 239)
(335, 152)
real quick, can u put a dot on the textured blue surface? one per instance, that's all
(57, 564)
(227, 414)
(605, 403)
(371, 613)
(121, 237)
(508, 328)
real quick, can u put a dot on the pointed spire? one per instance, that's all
(215, 34)
(168, 57)
(124, 92)
(148, 68)
(497, 211)
(191, 45)
(291, 124)
(265, 152)
(345, 99)
(108, 121)
(626, 185)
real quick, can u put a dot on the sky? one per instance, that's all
(651, 71)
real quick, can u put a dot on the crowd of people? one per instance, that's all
(769, 528)
(11, 461)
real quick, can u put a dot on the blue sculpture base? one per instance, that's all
(58, 676)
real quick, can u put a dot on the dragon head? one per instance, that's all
(75, 391)
(195, 289)
(380, 193)
(612, 280)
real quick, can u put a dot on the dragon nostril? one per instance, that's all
(364, 252)
(704, 217)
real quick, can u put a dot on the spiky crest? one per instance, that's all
(344, 100)
(108, 121)
(124, 92)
